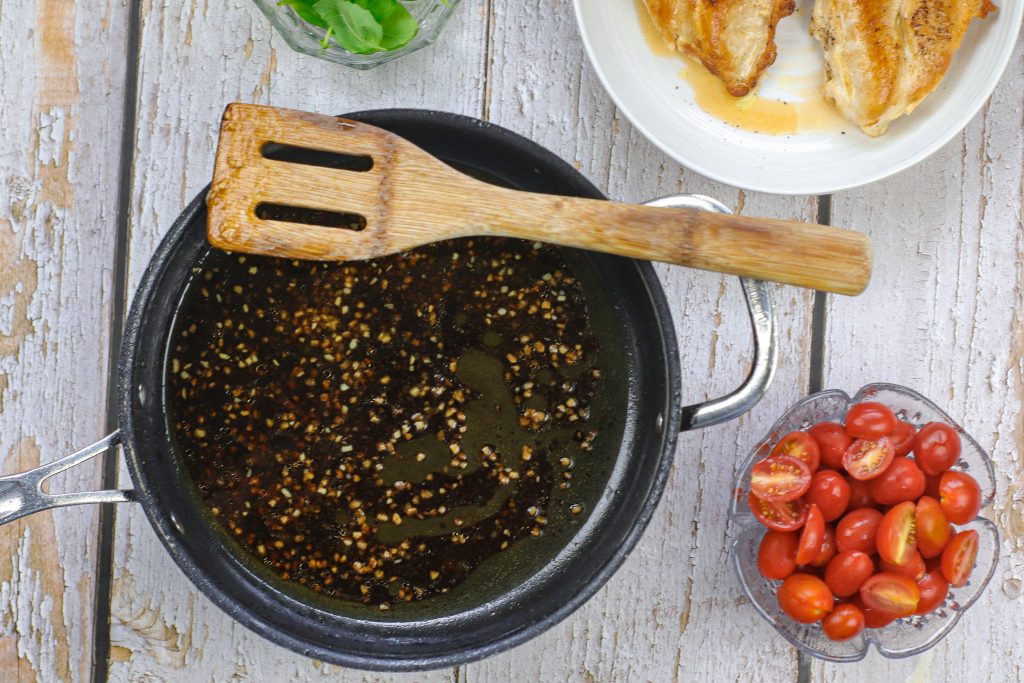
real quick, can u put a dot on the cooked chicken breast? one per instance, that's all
(734, 39)
(883, 57)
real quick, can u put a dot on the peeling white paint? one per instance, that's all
(54, 341)
(938, 317)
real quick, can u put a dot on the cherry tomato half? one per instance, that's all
(869, 420)
(776, 556)
(805, 598)
(936, 448)
(832, 442)
(868, 459)
(959, 556)
(892, 594)
(900, 482)
(780, 478)
(857, 530)
(860, 494)
(811, 536)
(787, 516)
(897, 534)
(800, 445)
(903, 437)
(933, 530)
(843, 622)
(848, 571)
(872, 617)
(830, 492)
(914, 568)
(827, 550)
(934, 589)
(959, 496)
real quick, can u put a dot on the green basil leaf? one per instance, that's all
(398, 24)
(380, 9)
(399, 28)
(304, 8)
(354, 27)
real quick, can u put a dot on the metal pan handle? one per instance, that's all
(766, 339)
(22, 494)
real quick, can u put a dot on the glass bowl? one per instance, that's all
(431, 15)
(903, 637)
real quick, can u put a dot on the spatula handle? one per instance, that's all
(803, 254)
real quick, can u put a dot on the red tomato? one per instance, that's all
(860, 494)
(933, 530)
(913, 569)
(780, 478)
(897, 536)
(931, 485)
(893, 594)
(934, 589)
(811, 536)
(959, 556)
(843, 622)
(959, 496)
(812, 570)
(832, 442)
(827, 550)
(776, 556)
(902, 438)
(902, 481)
(830, 492)
(936, 448)
(805, 598)
(787, 516)
(800, 445)
(848, 571)
(872, 617)
(857, 530)
(868, 459)
(869, 420)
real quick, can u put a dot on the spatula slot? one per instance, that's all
(277, 151)
(299, 214)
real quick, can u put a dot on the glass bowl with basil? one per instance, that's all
(358, 33)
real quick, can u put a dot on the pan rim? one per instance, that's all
(222, 595)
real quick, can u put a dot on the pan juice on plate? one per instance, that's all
(376, 431)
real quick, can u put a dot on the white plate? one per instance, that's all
(650, 91)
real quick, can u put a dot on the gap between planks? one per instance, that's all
(118, 309)
(816, 380)
(107, 516)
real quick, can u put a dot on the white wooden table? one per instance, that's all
(89, 185)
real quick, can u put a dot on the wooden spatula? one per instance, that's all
(401, 197)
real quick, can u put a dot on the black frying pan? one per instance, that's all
(529, 590)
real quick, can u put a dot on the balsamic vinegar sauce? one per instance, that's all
(376, 430)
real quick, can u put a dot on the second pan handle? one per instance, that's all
(766, 339)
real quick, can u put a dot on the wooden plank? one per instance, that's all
(943, 316)
(162, 628)
(61, 69)
(673, 611)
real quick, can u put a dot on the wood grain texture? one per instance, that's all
(943, 316)
(674, 610)
(401, 209)
(196, 57)
(61, 73)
